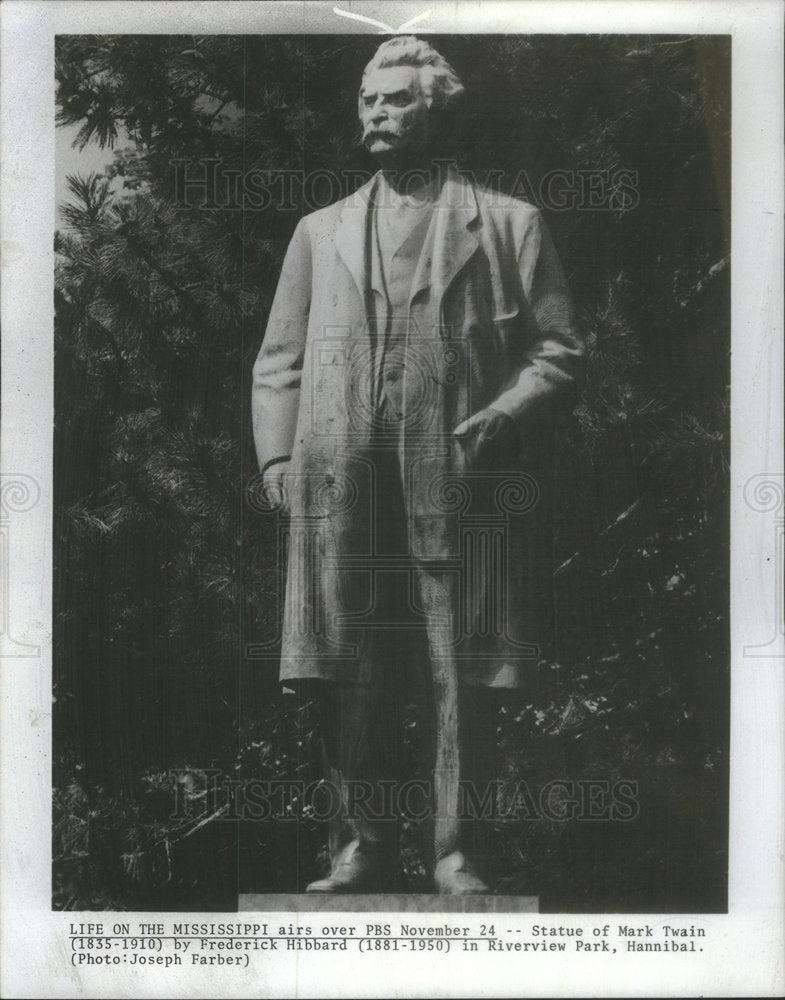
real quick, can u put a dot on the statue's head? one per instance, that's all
(405, 88)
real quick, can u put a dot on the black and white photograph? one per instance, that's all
(391, 470)
(396, 504)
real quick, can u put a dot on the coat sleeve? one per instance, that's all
(553, 349)
(275, 393)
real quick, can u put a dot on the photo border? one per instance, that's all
(744, 953)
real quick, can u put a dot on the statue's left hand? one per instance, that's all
(489, 439)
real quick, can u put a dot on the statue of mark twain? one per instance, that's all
(404, 394)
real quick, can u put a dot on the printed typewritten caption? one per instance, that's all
(246, 943)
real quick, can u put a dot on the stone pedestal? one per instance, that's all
(314, 902)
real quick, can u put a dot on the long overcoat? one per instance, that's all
(490, 325)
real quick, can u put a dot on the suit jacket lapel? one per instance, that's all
(448, 245)
(450, 242)
(351, 234)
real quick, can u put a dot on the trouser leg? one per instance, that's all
(361, 762)
(463, 747)
(362, 722)
(439, 663)
(479, 775)
(361, 744)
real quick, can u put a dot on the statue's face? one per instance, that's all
(393, 113)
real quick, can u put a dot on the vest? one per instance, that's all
(397, 239)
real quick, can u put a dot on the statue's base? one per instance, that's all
(314, 902)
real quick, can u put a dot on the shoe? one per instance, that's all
(356, 869)
(454, 876)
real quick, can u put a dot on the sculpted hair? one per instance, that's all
(439, 80)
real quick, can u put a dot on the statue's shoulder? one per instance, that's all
(497, 203)
(323, 220)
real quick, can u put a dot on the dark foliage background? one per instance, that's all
(164, 572)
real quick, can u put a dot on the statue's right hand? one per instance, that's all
(274, 486)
